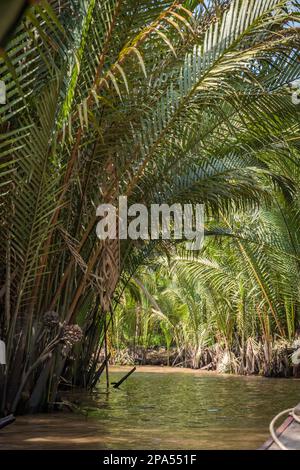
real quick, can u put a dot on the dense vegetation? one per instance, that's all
(162, 101)
(234, 307)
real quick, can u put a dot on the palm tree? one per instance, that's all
(234, 305)
(248, 282)
(158, 100)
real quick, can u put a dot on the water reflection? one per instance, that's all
(163, 411)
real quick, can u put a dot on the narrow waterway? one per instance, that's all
(162, 409)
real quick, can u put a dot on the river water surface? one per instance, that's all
(162, 409)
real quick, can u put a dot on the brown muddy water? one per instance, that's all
(161, 409)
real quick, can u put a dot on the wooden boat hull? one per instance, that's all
(289, 435)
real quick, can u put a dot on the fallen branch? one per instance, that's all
(117, 384)
(6, 421)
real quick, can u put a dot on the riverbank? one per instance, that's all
(162, 369)
(275, 359)
(160, 408)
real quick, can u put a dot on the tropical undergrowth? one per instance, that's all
(233, 307)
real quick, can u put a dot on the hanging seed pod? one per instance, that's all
(71, 334)
(51, 319)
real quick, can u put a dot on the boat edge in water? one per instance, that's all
(289, 431)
